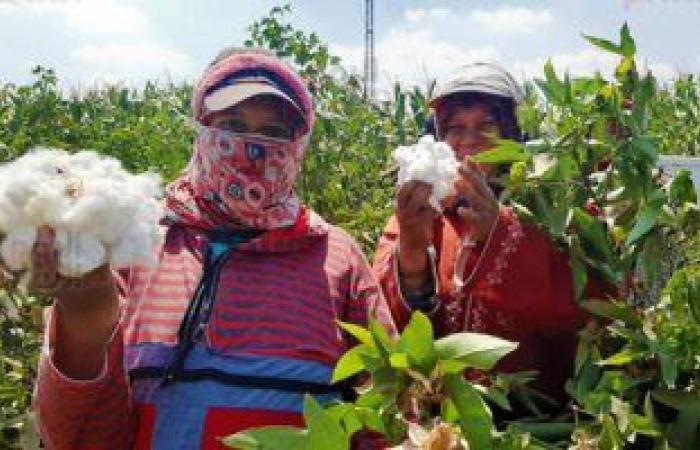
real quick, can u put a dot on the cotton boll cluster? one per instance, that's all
(431, 162)
(101, 212)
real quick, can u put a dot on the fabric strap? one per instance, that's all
(219, 247)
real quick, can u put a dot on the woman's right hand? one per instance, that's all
(416, 218)
(87, 309)
(74, 294)
(43, 275)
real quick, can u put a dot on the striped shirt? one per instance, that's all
(271, 337)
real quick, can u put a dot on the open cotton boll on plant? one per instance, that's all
(101, 212)
(431, 162)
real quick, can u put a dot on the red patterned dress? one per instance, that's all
(516, 285)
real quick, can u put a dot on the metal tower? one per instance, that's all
(369, 50)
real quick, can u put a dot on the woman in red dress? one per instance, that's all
(476, 267)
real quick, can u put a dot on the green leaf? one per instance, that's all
(474, 416)
(380, 337)
(644, 425)
(269, 438)
(614, 310)
(682, 190)
(579, 270)
(448, 411)
(646, 146)
(480, 351)
(611, 438)
(604, 44)
(623, 69)
(550, 74)
(346, 415)
(550, 432)
(649, 262)
(587, 373)
(349, 364)
(495, 395)
(374, 363)
(684, 289)
(593, 234)
(363, 335)
(371, 418)
(387, 382)
(324, 432)
(417, 342)
(684, 431)
(624, 356)
(627, 45)
(669, 367)
(552, 87)
(506, 151)
(399, 360)
(448, 366)
(644, 224)
(374, 399)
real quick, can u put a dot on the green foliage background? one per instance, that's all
(348, 177)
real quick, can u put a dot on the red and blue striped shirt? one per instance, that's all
(271, 336)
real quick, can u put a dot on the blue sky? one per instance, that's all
(93, 41)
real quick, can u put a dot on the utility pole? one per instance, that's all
(369, 50)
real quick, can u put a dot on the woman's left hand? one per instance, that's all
(481, 211)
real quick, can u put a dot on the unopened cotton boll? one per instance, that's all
(431, 162)
(101, 212)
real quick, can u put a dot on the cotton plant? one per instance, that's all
(414, 396)
(431, 162)
(100, 212)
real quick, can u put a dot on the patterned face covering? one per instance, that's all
(247, 176)
(228, 184)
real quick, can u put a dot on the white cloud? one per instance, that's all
(102, 17)
(662, 71)
(418, 15)
(106, 41)
(512, 19)
(413, 57)
(587, 62)
(584, 62)
(351, 55)
(105, 17)
(131, 55)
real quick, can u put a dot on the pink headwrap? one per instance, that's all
(246, 61)
(203, 197)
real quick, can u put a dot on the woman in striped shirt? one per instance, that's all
(238, 320)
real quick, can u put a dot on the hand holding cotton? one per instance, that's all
(431, 162)
(101, 213)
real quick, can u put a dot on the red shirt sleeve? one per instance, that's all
(83, 414)
(385, 269)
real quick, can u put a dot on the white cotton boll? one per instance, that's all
(30, 190)
(46, 203)
(16, 249)
(79, 253)
(431, 162)
(147, 184)
(135, 251)
(140, 238)
(100, 211)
